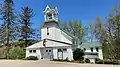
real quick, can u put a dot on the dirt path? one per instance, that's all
(46, 63)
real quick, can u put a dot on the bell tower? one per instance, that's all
(51, 14)
(50, 26)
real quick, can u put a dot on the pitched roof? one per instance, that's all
(90, 44)
(52, 7)
(69, 34)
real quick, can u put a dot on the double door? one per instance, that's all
(47, 53)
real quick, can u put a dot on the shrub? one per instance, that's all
(78, 54)
(17, 53)
(87, 60)
(55, 59)
(110, 62)
(98, 61)
(3, 58)
(106, 61)
(13, 53)
(66, 59)
(81, 61)
(4, 51)
(32, 58)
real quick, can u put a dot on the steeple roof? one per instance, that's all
(52, 7)
(49, 7)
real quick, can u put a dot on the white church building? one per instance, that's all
(58, 44)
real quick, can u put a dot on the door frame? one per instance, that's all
(58, 53)
(49, 53)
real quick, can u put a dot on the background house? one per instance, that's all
(92, 50)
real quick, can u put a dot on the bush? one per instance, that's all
(81, 61)
(110, 62)
(3, 58)
(17, 53)
(78, 54)
(4, 51)
(106, 62)
(66, 60)
(32, 58)
(98, 61)
(87, 60)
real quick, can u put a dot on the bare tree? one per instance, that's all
(109, 34)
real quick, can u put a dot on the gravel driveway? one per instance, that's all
(46, 63)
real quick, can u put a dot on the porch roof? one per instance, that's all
(90, 44)
(49, 43)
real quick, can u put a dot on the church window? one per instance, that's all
(84, 49)
(49, 50)
(47, 31)
(59, 50)
(30, 51)
(46, 50)
(34, 51)
(73, 42)
(64, 49)
(97, 49)
(91, 49)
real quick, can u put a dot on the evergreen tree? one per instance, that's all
(25, 21)
(8, 16)
(78, 54)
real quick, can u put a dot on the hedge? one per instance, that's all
(31, 58)
(87, 60)
(106, 61)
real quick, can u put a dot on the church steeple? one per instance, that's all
(50, 14)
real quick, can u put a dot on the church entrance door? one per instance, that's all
(47, 53)
(60, 54)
